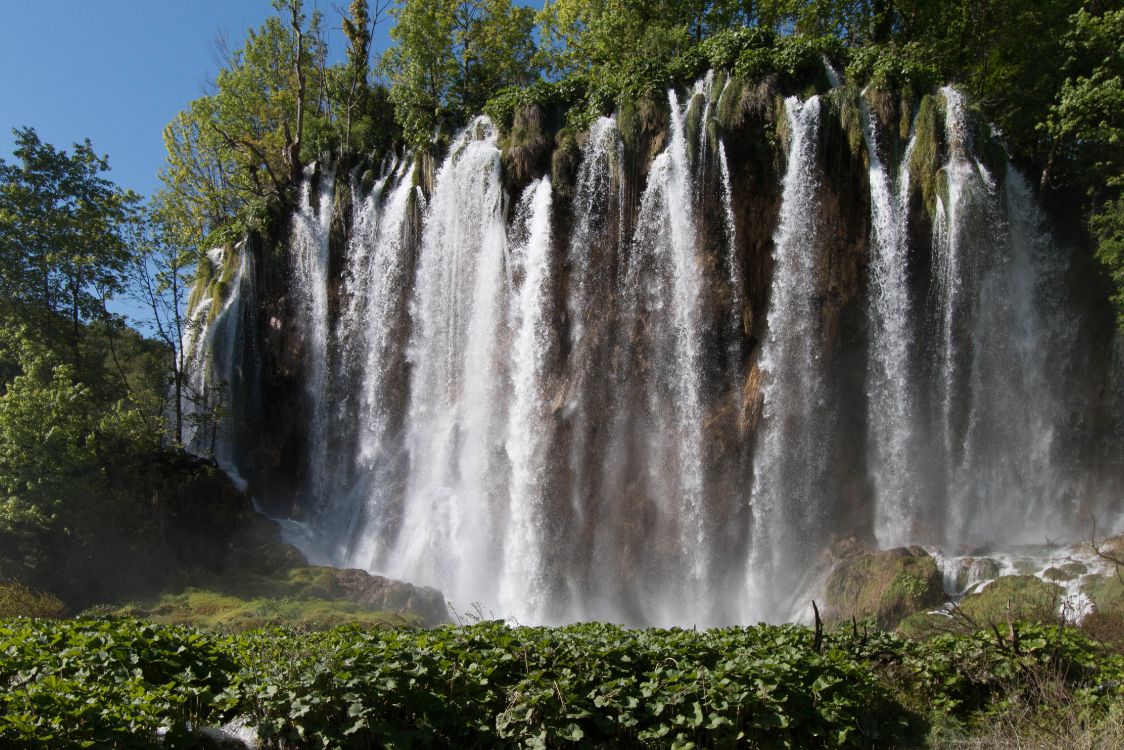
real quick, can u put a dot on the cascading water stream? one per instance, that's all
(1012, 479)
(522, 578)
(890, 397)
(212, 363)
(453, 502)
(788, 500)
(546, 407)
(369, 353)
(310, 292)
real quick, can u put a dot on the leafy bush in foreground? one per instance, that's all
(124, 683)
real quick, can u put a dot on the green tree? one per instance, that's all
(163, 272)
(63, 249)
(450, 56)
(1086, 128)
(60, 454)
(237, 151)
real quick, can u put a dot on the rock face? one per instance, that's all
(885, 585)
(373, 593)
(648, 370)
(259, 550)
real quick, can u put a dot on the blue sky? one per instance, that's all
(116, 71)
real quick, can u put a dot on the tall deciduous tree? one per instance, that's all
(62, 241)
(237, 150)
(450, 56)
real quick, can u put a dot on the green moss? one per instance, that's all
(1075, 568)
(1031, 599)
(886, 586)
(926, 161)
(905, 107)
(845, 102)
(1107, 592)
(1057, 574)
(221, 611)
(780, 117)
(564, 163)
(304, 597)
(729, 110)
(694, 123)
(200, 285)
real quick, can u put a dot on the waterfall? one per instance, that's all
(533, 393)
(732, 265)
(368, 357)
(1012, 480)
(598, 213)
(890, 397)
(309, 252)
(789, 503)
(528, 431)
(673, 234)
(212, 360)
(453, 498)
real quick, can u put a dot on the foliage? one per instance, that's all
(1107, 225)
(17, 600)
(58, 445)
(892, 67)
(115, 683)
(1086, 126)
(451, 55)
(62, 241)
(106, 684)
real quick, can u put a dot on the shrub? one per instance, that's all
(16, 600)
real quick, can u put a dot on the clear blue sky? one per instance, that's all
(117, 71)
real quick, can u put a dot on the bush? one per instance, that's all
(16, 600)
(121, 683)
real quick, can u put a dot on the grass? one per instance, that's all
(305, 598)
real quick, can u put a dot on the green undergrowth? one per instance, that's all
(125, 683)
(304, 598)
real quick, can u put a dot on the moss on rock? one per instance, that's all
(885, 585)
(1019, 598)
(926, 161)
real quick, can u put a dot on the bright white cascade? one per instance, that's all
(891, 399)
(789, 501)
(658, 385)
(311, 224)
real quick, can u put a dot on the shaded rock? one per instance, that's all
(886, 585)
(971, 571)
(1057, 574)
(374, 593)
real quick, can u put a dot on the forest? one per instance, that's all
(103, 502)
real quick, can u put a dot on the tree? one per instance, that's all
(63, 251)
(162, 275)
(58, 448)
(451, 55)
(238, 150)
(1086, 128)
(358, 29)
